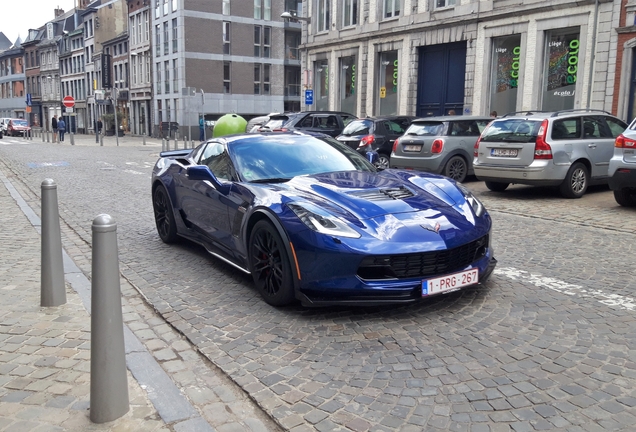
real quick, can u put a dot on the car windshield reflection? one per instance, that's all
(275, 158)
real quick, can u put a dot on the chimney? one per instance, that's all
(58, 12)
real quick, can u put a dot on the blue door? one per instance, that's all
(441, 77)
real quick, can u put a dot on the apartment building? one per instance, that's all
(471, 56)
(32, 75)
(624, 102)
(12, 78)
(72, 70)
(140, 82)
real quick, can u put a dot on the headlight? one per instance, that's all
(321, 221)
(477, 206)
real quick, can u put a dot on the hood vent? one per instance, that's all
(383, 194)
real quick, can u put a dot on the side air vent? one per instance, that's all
(384, 194)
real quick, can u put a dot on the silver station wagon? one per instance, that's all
(570, 149)
(442, 145)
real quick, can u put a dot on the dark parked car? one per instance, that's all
(375, 133)
(327, 122)
(311, 219)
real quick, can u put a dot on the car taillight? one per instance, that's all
(438, 146)
(476, 147)
(542, 149)
(280, 130)
(623, 142)
(366, 141)
(395, 144)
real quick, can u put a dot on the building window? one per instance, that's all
(266, 79)
(174, 76)
(157, 9)
(167, 76)
(166, 40)
(323, 15)
(257, 41)
(392, 8)
(174, 35)
(560, 69)
(146, 26)
(226, 7)
(174, 5)
(226, 77)
(388, 83)
(133, 29)
(267, 10)
(158, 40)
(350, 13)
(504, 75)
(267, 42)
(134, 70)
(257, 79)
(444, 3)
(348, 84)
(258, 9)
(158, 68)
(226, 37)
(139, 29)
(166, 7)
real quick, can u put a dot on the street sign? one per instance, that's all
(68, 101)
(28, 109)
(309, 97)
(69, 109)
(28, 99)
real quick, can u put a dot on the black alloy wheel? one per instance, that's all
(383, 161)
(164, 217)
(456, 168)
(269, 265)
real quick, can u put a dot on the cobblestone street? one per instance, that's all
(548, 343)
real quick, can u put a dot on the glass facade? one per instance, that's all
(388, 83)
(321, 85)
(348, 94)
(506, 66)
(561, 69)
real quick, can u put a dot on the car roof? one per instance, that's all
(538, 114)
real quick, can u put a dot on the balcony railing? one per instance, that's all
(292, 90)
(292, 53)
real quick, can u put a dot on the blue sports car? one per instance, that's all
(312, 220)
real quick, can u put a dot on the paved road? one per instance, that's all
(548, 343)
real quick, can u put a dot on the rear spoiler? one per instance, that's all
(175, 153)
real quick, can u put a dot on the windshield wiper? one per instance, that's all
(271, 180)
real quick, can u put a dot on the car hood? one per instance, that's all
(365, 195)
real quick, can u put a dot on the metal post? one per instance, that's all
(72, 135)
(109, 382)
(101, 140)
(143, 137)
(184, 142)
(52, 288)
(176, 140)
(163, 144)
(95, 119)
(47, 135)
(42, 133)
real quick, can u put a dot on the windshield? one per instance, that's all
(425, 128)
(515, 130)
(19, 123)
(358, 127)
(285, 156)
(275, 123)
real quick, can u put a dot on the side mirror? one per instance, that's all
(373, 157)
(203, 173)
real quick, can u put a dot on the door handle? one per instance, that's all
(592, 146)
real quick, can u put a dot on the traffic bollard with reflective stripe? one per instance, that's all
(109, 382)
(52, 287)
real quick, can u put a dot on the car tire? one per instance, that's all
(269, 265)
(383, 161)
(626, 197)
(497, 186)
(164, 215)
(456, 168)
(576, 181)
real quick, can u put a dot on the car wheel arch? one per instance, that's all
(263, 214)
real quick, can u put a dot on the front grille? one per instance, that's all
(383, 194)
(423, 264)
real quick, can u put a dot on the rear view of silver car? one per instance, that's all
(622, 167)
(569, 149)
(442, 145)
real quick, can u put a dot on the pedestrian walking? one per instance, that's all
(99, 126)
(54, 127)
(201, 129)
(61, 128)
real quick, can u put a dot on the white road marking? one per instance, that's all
(612, 300)
(129, 171)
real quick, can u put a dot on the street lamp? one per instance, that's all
(294, 16)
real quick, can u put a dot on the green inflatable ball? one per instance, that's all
(229, 124)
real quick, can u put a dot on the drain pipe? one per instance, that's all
(589, 82)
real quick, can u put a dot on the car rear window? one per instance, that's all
(275, 123)
(514, 130)
(358, 127)
(425, 128)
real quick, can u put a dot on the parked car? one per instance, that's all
(254, 124)
(310, 219)
(570, 149)
(18, 127)
(622, 167)
(327, 122)
(376, 134)
(442, 145)
(4, 121)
